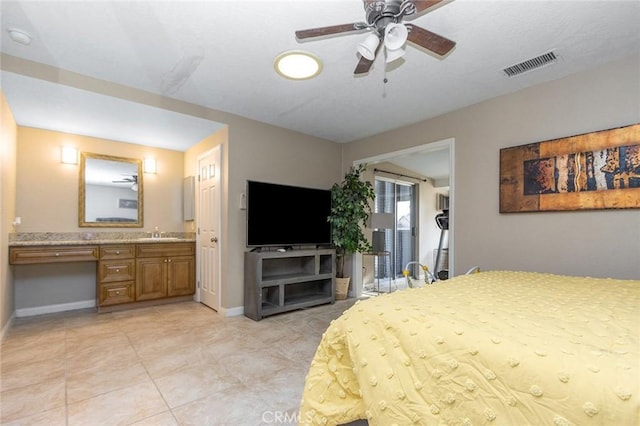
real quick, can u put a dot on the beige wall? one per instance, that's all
(8, 142)
(256, 151)
(250, 150)
(47, 201)
(266, 153)
(596, 243)
(601, 243)
(47, 198)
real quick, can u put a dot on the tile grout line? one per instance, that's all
(152, 381)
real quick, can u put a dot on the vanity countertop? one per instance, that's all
(95, 238)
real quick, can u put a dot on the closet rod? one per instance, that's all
(399, 174)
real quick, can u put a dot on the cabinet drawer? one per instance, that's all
(165, 249)
(117, 252)
(117, 270)
(113, 294)
(52, 254)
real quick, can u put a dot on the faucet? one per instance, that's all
(428, 276)
(156, 233)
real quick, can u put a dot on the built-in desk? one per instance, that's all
(128, 273)
(52, 254)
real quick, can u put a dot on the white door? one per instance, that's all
(208, 237)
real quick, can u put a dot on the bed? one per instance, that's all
(497, 347)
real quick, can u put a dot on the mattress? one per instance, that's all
(496, 347)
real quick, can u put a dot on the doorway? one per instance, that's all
(422, 160)
(208, 234)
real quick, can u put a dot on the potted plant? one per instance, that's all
(350, 209)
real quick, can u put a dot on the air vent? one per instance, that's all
(531, 64)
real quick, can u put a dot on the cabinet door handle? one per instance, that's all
(214, 239)
(117, 251)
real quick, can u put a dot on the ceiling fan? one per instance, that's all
(384, 20)
(132, 179)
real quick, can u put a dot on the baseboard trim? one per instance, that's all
(144, 304)
(50, 309)
(233, 312)
(7, 326)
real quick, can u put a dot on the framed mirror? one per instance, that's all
(110, 192)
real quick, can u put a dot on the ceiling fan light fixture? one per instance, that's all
(392, 55)
(395, 36)
(297, 65)
(368, 47)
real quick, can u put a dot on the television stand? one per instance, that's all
(277, 282)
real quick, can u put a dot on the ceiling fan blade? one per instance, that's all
(422, 5)
(430, 41)
(363, 67)
(364, 64)
(324, 31)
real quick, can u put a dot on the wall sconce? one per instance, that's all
(150, 165)
(68, 155)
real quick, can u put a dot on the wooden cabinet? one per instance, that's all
(151, 278)
(116, 275)
(126, 273)
(181, 278)
(126, 251)
(165, 270)
(115, 293)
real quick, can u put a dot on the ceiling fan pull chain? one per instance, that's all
(385, 80)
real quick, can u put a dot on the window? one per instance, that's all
(399, 199)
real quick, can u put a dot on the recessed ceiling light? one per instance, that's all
(297, 65)
(19, 36)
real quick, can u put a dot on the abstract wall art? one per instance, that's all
(599, 170)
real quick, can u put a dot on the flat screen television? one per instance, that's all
(284, 215)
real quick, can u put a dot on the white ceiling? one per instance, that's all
(219, 54)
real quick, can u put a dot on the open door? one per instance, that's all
(208, 237)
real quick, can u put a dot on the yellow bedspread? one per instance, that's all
(501, 348)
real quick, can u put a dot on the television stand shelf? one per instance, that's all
(276, 282)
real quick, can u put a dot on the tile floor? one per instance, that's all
(178, 364)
